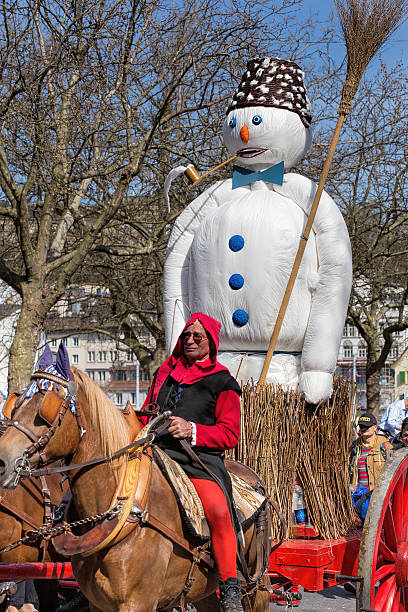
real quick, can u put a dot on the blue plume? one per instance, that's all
(46, 358)
(62, 362)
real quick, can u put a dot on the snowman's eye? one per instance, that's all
(232, 122)
(257, 119)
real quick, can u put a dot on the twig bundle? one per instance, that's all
(366, 25)
(283, 439)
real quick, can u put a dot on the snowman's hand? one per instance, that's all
(316, 386)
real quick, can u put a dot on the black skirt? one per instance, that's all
(214, 460)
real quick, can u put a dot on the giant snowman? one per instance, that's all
(231, 251)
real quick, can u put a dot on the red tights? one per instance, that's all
(224, 543)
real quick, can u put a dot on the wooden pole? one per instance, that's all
(300, 251)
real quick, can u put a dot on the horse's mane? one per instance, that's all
(102, 415)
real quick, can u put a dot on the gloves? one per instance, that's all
(316, 386)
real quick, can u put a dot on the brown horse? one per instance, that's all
(22, 510)
(142, 569)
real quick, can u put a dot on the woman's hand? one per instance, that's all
(180, 428)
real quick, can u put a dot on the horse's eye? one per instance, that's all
(256, 119)
(232, 122)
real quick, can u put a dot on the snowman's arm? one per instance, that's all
(176, 305)
(331, 295)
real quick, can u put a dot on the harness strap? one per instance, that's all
(181, 597)
(151, 521)
(20, 514)
(45, 471)
(21, 427)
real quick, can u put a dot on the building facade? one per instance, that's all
(352, 361)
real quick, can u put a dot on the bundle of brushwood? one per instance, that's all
(285, 440)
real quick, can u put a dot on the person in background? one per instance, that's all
(25, 599)
(368, 453)
(401, 439)
(391, 421)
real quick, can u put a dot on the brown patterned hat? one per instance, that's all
(273, 82)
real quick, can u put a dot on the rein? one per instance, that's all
(73, 466)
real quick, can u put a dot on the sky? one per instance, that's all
(393, 51)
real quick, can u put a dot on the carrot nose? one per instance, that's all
(244, 133)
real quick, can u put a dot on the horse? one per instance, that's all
(21, 510)
(141, 566)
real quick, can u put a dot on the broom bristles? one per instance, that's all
(366, 25)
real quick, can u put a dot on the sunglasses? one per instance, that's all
(197, 337)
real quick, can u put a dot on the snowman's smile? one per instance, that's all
(250, 152)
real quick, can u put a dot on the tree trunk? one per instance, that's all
(26, 338)
(373, 390)
(159, 357)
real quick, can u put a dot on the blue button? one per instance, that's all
(236, 281)
(240, 318)
(236, 243)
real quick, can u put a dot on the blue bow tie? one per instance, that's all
(243, 176)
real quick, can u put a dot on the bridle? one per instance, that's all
(52, 410)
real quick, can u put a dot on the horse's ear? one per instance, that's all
(62, 361)
(46, 358)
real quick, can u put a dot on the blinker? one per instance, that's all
(49, 407)
(10, 404)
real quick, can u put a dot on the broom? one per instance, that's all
(366, 25)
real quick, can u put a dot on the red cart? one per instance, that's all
(375, 557)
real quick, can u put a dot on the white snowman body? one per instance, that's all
(231, 252)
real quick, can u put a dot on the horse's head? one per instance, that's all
(40, 425)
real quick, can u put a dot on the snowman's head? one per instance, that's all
(268, 119)
(262, 136)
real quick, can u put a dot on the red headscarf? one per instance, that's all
(177, 364)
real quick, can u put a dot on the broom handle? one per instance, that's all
(300, 251)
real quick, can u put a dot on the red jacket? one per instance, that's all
(225, 433)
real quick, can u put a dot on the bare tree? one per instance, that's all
(86, 88)
(369, 180)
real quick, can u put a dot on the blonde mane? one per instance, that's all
(102, 415)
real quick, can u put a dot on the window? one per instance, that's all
(75, 341)
(102, 355)
(119, 399)
(345, 332)
(352, 331)
(101, 375)
(362, 351)
(64, 341)
(403, 378)
(53, 342)
(91, 374)
(129, 356)
(394, 351)
(91, 355)
(348, 351)
(75, 358)
(113, 355)
(133, 400)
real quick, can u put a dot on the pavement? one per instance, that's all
(328, 600)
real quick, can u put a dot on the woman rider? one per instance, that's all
(204, 400)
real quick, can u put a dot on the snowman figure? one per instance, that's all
(232, 249)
